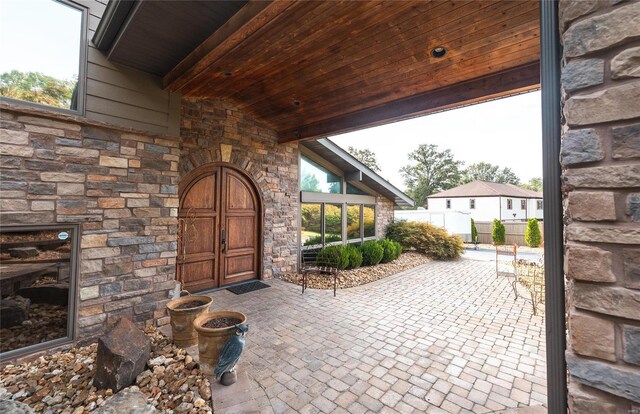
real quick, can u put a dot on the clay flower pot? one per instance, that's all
(212, 340)
(182, 319)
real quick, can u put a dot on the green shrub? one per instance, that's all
(334, 255)
(355, 256)
(498, 232)
(372, 253)
(474, 231)
(532, 235)
(398, 249)
(426, 238)
(389, 250)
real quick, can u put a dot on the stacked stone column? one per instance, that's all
(601, 182)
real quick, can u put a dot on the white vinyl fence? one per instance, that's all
(455, 222)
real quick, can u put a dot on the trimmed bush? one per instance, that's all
(334, 255)
(398, 249)
(498, 232)
(355, 256)
(532, 235)
(372, 253)
(389, 251)
(426, 238)
(474, 231)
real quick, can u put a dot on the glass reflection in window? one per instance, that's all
(369, 220)
(311, 231)
(332, 223)
(316, 179)
(353, 222)
(352, 189)
(40, 46)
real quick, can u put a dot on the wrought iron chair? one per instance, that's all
(510, 252)
(312, 264)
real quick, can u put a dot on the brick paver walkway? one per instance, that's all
(445, 337)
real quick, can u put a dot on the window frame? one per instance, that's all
(523, 204)
(82, 68)
(509, 204)
(472, 204)
(320, 166)
(447, 203)
(539, 204)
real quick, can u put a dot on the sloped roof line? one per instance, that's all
(479, 188)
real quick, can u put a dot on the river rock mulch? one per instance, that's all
(361, 275)
(61, 382)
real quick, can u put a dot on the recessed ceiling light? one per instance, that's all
(295, 103)
(438, 52)
(227, 74)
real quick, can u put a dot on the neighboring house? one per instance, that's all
(486, 201)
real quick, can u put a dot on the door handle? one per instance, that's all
(224, 241)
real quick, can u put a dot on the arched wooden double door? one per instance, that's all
(220, 228)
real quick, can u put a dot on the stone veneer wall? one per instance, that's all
(120, 185)
(215, 130)
(384, 215)
(601, 155)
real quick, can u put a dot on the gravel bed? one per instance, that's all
(61, 382)
(46, 322)
(361, 275)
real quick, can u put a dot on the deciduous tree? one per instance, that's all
(488, 172)
(365, 156)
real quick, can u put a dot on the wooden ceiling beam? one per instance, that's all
(251, 18)
(515, 80)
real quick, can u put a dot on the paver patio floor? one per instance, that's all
(445, 337)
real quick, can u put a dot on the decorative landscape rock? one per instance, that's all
(14, 407)
(57, 294)
(127, 402)
(23, 252)
(122, 355)
(13, 311)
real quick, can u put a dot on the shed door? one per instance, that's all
(219, 229)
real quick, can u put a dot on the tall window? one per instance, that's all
(352, 189)
(369, 220)
(316, 179)
(539, 205)
(353, 222)
(40, 45)
(523, 204)
(448, 203)
(311, 229)
(509, 204)
(332, 223)
(472, 203)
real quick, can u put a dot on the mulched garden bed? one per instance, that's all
(361, 275)
(61, 383)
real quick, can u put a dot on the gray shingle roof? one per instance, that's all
(487, 189)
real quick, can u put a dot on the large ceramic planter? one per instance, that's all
(184, 335)
(212, 340)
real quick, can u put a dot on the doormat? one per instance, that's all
(247, 287)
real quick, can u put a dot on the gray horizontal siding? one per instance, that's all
(123, 96)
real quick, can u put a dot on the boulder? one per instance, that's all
(23, 252)
(14, 407)
(127, 402)
(53, 294)
(122, 354)
(13, 311)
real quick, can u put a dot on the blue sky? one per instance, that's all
(45, 41)
(506, 132)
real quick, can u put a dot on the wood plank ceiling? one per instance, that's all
(311, 68)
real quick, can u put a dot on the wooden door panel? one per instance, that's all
(200, 236)
(241, 233)
(197, 275)
(201, 195)
(240, 267)
(238, 195)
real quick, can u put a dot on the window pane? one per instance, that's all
(40, 46)
(523, 204)
(369, 220)
(332, 223)
(352, 189)
(353, 222)
(311, 225)
(36, 284)
(316, 179)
